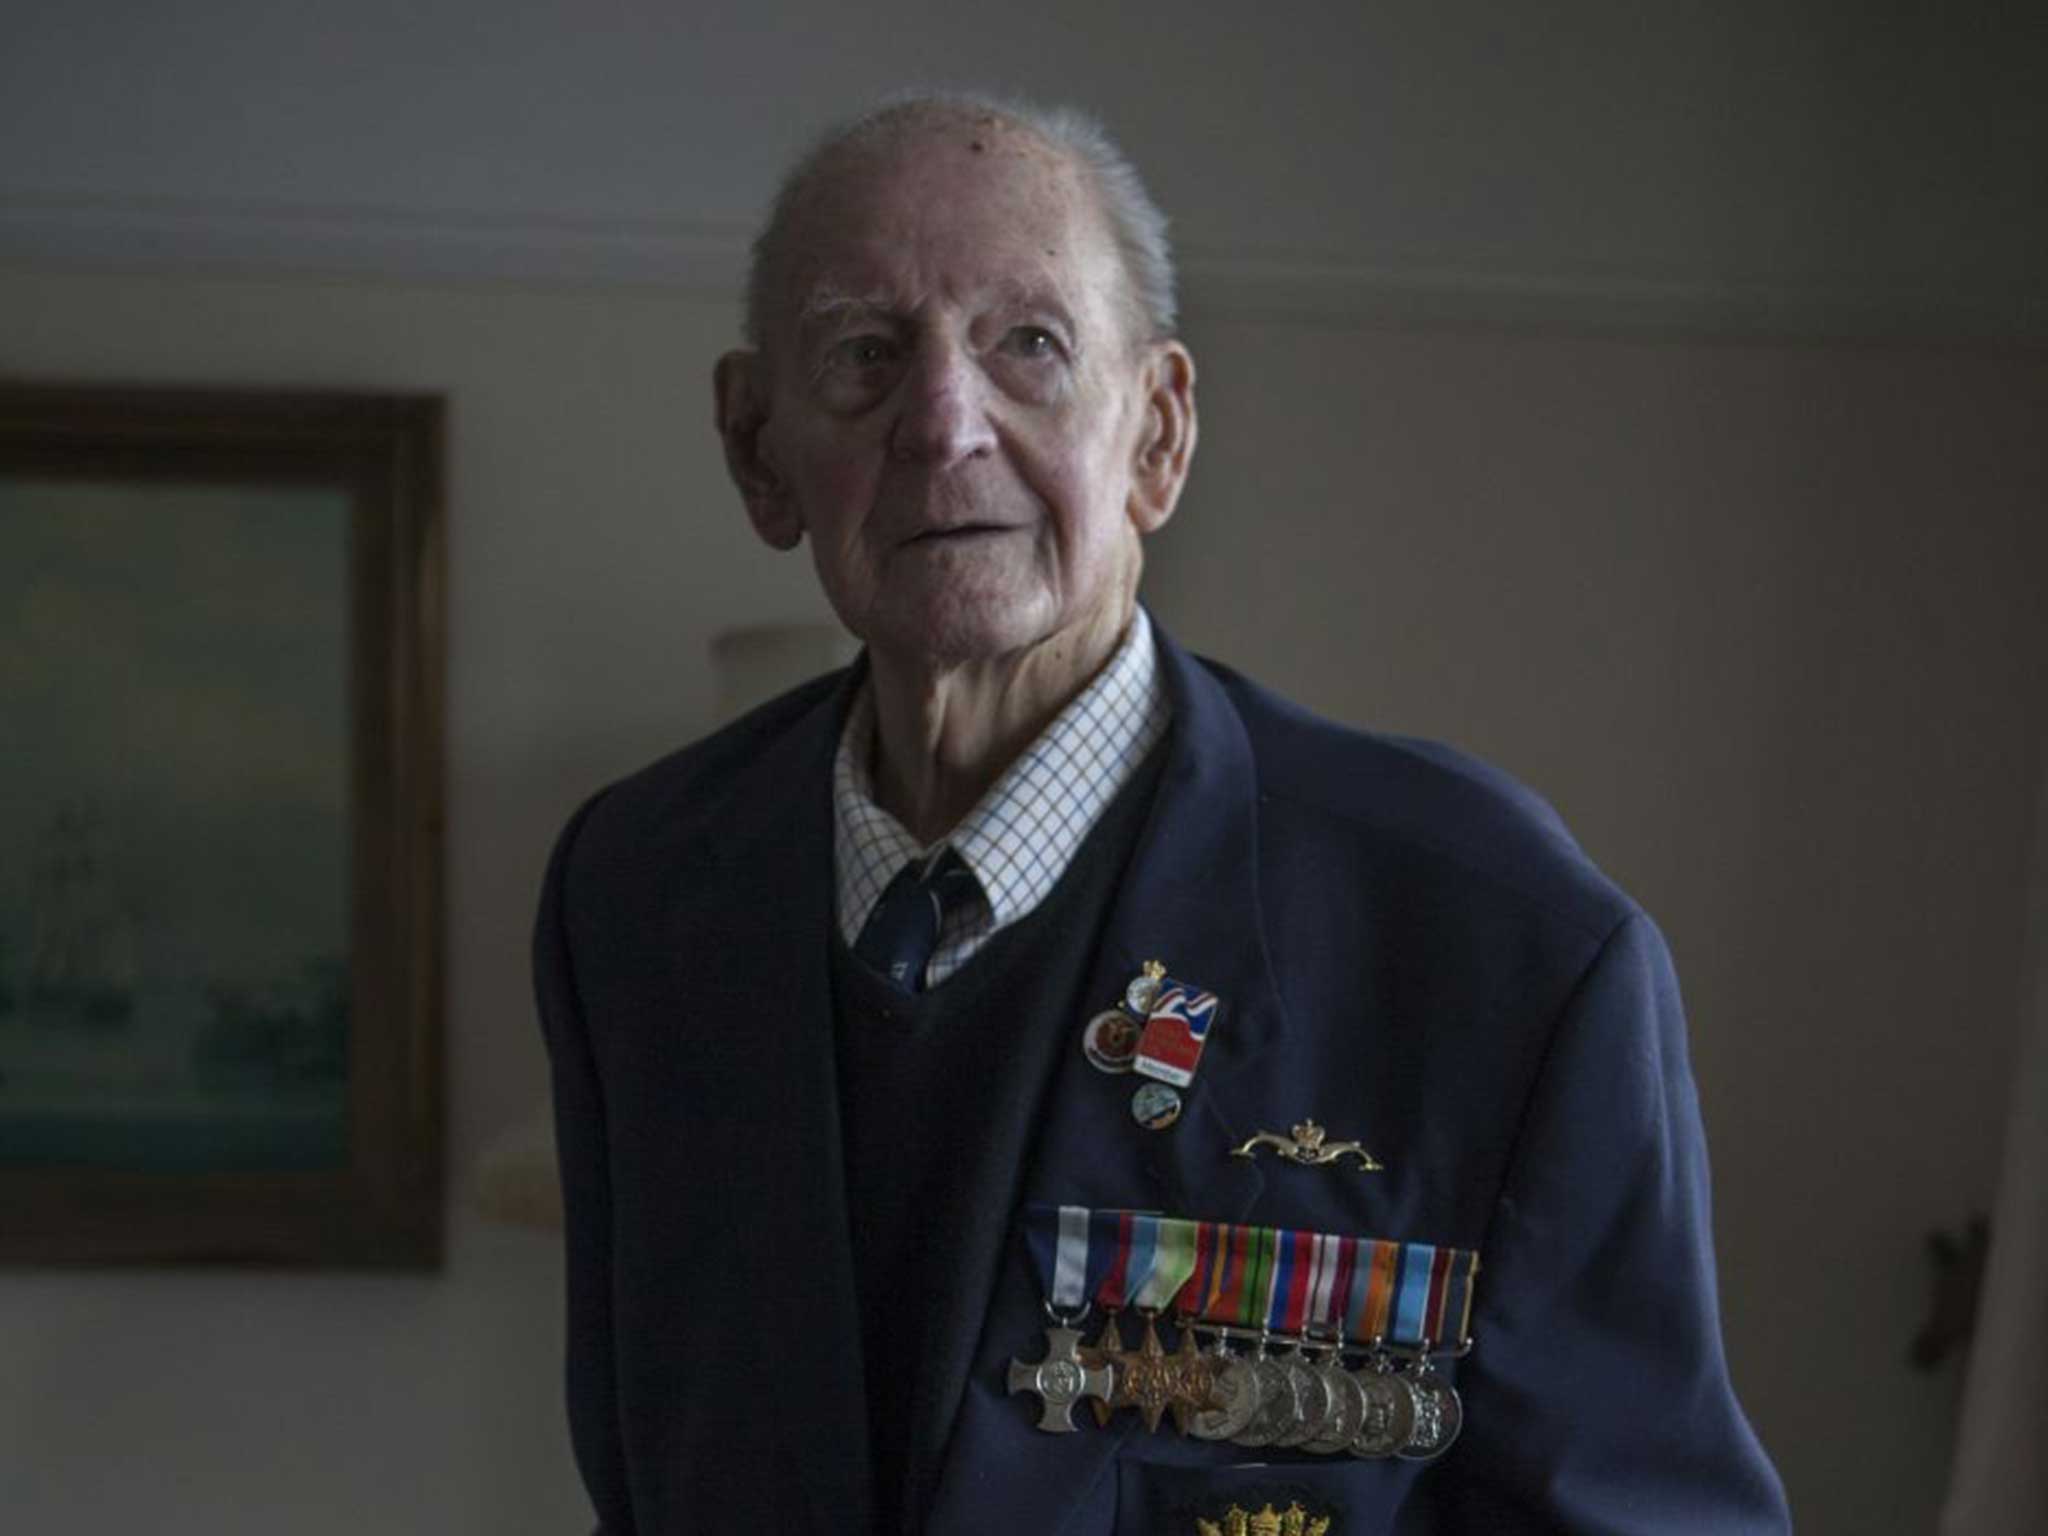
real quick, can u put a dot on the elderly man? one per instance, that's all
(1038, 1081)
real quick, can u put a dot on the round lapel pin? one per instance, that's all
(1155, 1106)
(1110, 1041)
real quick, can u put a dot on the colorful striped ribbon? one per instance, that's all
(1277, 1279)
(1288, 1309)
(1173, 1263)
(1330, 1284)
(1135, 1257)
(1192, 1295)
(1222, 1295)
(1069, 1251)
(1372, 1290)
(1261, 1265)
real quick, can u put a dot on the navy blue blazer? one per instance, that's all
(1410, 949)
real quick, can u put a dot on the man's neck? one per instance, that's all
(944, 735)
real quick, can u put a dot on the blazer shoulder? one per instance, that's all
(689, 792)
(1439, 809)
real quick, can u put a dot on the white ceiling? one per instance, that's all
(1876, 165)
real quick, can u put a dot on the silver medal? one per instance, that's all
(1389, 1418)
(1268, 1383)
(1438, 1416)
(1236, 1395)
(1312, 1401)
(1275, 1411)
(1347, 1409)
(1060, 1380)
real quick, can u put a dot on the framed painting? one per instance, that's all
(220, 826)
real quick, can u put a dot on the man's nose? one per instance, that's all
(943, 413)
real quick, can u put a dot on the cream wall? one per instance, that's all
(1762, 621)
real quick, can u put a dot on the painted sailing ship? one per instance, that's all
(290, 1034)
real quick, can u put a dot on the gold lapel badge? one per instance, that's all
(1292, 1521)
(1309, 1146)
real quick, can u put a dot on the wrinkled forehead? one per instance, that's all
(960, 206)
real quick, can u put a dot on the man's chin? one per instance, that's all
(959, 629)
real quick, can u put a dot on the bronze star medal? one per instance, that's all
(1108, 1345)
(1194, 1382)
(1146, 1378)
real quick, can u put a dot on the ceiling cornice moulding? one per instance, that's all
(706, 259)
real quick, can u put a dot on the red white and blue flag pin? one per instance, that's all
(1176, 1029)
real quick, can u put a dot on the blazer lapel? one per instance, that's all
(1189, 899)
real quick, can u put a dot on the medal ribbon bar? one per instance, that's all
(1070, 1260)
(1323, 1294)
(1288, 1308)
(1373, 1291)
(1173, 1262)
(1137, 1248)
(1189, 1302)
(1281, 1280)
(1070, 1247)
(1331, 1285)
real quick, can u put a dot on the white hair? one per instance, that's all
(1135, 221)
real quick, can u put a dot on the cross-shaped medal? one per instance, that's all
(1061, 1379)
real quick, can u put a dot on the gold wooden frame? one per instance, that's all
(384, 1208)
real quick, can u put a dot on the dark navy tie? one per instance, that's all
(903, 930)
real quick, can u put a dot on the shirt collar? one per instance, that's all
(1023, 833)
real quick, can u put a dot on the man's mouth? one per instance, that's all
(961, 531)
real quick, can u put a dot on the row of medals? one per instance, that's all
(1304, 1397)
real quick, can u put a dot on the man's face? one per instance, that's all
(956, 410)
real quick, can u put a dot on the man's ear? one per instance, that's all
(1168, 441)
(739, 391)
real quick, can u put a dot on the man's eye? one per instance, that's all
(1032, 341)
(863, 352)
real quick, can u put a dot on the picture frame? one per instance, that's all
(221, 648)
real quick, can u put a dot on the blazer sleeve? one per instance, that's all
(1600, 1394)
(586, 1201)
